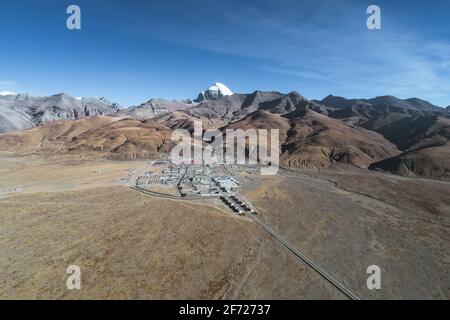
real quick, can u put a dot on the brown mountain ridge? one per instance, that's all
(407, 137)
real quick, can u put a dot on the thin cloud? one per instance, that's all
(329, 46)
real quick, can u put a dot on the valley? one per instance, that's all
(362, 182)
(224, 158)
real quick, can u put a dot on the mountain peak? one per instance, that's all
(295, 94)
(221, 88)
(62, 94)
(214, 92)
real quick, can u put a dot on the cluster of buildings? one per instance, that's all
(199, 181)
(170, 177)
(226, 183)
(237, 205)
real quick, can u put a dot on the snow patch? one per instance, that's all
(221, 89)
(216, 91)
(7, 93)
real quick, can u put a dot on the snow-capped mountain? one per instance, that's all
(23, 111)
(216, 91)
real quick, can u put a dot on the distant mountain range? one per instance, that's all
(402, 136)
(22, 111)
(153, 108)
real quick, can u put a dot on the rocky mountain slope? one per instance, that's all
(126, 139)
(183, 120)
(154, 108)
(310, 139)
(100, 136)
(431, 162)
(417, 127)
(237, 106)
(384, 133)
(428, 151)
(22, 111)
(51, 137)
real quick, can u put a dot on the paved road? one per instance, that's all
(168, 196)
(181, 180)
(349, 294)
(268, 229)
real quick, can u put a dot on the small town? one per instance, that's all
(193, 182)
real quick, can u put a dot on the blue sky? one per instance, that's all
(130, 51)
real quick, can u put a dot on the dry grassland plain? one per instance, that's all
(56, 211)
